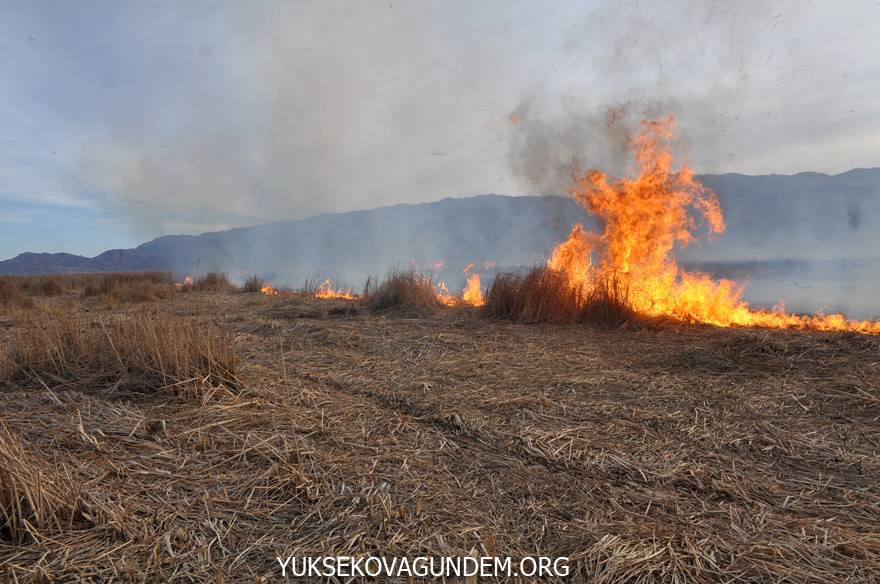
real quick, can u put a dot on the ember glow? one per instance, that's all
(645, 218)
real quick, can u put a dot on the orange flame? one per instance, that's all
(269, 290)
(187, 281)
(325, 290)
(443, 295)
(473, 292)
(645, 218)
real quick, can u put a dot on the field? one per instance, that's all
(150, 433)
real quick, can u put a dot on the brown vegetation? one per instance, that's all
(42, 286)
(402, 289)
(12, 298)
(210, 282)
(137, 443)
(545, 295)
(140, 352)
(253, 284)
(34, 497)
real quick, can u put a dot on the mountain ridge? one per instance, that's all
(769, 217)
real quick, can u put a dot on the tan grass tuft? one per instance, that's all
(210, 282)
(141, 352)
(253, 284)
(402, 289)
(33, 498)
(11, 298)
(545, 295)
(540, 295)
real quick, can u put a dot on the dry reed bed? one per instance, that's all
(728, 453)
(402, 290)
(545, 295)
(144, 351)
(689, 454)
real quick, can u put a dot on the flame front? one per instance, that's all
(325, 290)
(645, 218)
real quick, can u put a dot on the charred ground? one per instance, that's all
(661, 453)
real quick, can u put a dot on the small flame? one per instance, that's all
(269, 290)
(472, 294)
(187, 281)
(325, 290)
(443, 295)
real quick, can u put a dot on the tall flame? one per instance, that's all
(473, 291)
(645, 218)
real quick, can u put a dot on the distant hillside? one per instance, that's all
(773, 217)
(803, 216)
(506, 230)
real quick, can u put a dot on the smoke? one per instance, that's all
(644, 61)
(204, 115)
(756, 87)
(254, 113)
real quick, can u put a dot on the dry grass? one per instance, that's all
(688, 454)
(402, 289)
(210, 282)
(103, 284)
(11, 298)
(540, 295)
(43, 286)
(141, 352)
(34, 497)
(608, 303)
(544, 295)
(253, 284)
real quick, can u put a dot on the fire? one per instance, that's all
(187, 281)
(645, 218)
(443, 295)
(473, 292)
(325, 290)
(269, 289)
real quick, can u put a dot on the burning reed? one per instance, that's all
(647, 217)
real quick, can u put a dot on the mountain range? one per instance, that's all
(806, 216)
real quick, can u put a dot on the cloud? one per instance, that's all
(190, 115)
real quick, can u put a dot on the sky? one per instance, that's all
(123, 121)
